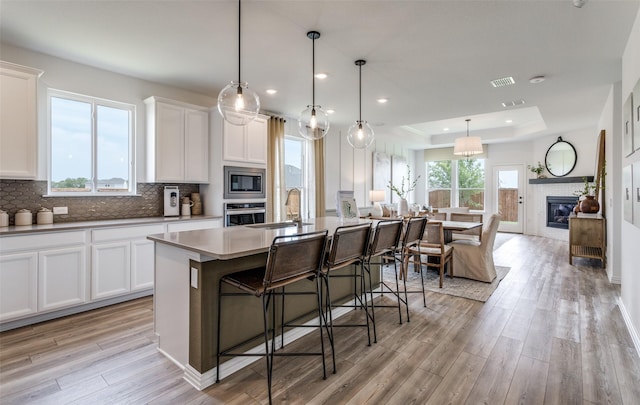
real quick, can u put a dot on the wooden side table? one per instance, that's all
(587, 238)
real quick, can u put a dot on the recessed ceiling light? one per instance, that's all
(537, 79)
(505, 81)
(509, 121)
(321, 76)
(382, 100)
(445, 129)
(272, 91)
(330, 111)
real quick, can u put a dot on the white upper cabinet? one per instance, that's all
(18, 121)
(246, 143)
(177, 141)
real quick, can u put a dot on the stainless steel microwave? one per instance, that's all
(244, 182)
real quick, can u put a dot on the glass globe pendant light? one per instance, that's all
(237, 103)
(313, 122)
(360, 134)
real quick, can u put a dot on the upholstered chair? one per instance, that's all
(474, 259)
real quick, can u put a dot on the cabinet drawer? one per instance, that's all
(42, 241)
(131, 232)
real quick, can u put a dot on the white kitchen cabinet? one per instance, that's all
(122, 260)
(142, 264)
(110, 269)
(18, 121)
(61, 277)
(177, 141)
(42, 272)
(246, 143)
(18, 285)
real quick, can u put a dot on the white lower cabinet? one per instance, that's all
(42, 272)
(110, 269)
(142, 261)
(61, 277)
(122, 260)
(18, 285)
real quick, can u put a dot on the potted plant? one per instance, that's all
(587, 202)
(404, 190)
(538, 170)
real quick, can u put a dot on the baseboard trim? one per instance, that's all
(32, 319)
(203, 380)
(632, 330)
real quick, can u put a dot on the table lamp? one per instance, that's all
(376, 196)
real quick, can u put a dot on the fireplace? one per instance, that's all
(558, 211)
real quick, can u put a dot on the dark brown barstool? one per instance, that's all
(386, 238)
(410, 245)
(291, 258)
(349, 246)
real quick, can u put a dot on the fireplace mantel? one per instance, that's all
(553, 180)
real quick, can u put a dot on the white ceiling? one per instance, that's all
(433, 60)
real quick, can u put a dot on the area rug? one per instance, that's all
(457, 286)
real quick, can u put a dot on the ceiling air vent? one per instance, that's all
(505, 81)
(512, 103)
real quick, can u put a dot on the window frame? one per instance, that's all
(304, 195)
(455, 189)
(94, 102)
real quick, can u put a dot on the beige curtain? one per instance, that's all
(318, 166)
(275, 170)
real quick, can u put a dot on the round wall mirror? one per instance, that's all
(561, 158)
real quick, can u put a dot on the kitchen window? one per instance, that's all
(456, 183)
(295, 168)
(90, 145)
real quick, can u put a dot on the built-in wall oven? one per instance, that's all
(246, 213)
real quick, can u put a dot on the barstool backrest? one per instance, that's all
(294, 257)
(348, 245)
(414, 232)
(386, 237)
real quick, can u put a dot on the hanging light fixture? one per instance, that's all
(313, 122)
(360, 135)
(238, 104)
(469, 145)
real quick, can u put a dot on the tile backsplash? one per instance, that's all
(28, 194)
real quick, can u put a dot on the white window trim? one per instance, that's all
(455, 190)
(132, 141)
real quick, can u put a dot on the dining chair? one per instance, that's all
(441, 216)
(433, 246)
(291, 259)
(473, 234)
(474, 259)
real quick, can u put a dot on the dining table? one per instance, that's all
(449, 227)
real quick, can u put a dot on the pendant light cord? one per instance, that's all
(239, 43)
(468, 119)
(313, 71)
(360, 92)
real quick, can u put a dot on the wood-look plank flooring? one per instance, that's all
(551, 333)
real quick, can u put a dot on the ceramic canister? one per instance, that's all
(24, 217)
(4, 219)
(44, 216)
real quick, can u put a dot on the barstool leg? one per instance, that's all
(268, 355)
(218, 333)
(324, 368)
(363, 295)
(328, 318)
(395, 271)
(373, 312)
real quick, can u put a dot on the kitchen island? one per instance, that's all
(188, 267)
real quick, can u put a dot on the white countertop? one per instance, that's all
(66, 226)
(240, 241)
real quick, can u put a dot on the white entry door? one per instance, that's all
(509, 197)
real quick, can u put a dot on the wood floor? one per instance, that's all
(550, 334)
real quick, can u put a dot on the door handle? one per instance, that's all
(519, 199)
